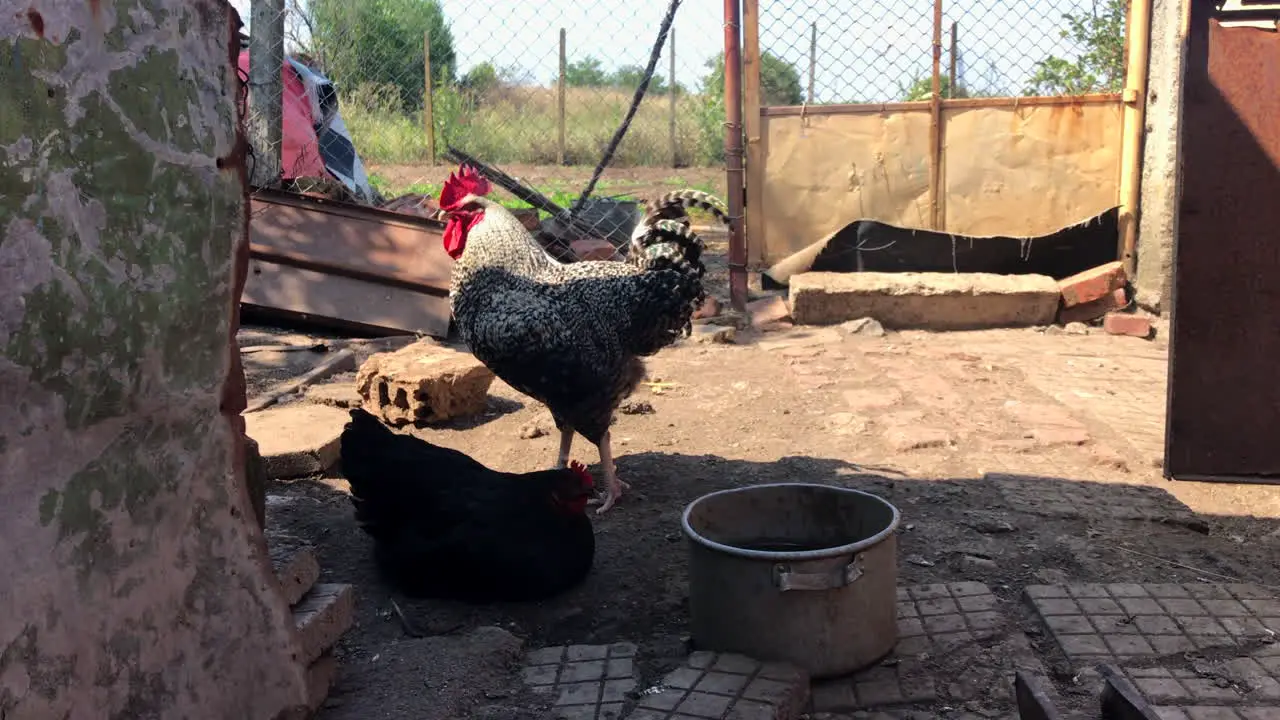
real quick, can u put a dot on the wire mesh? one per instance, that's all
(822, 52)
(536, 89)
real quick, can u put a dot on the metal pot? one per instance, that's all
(794, 572)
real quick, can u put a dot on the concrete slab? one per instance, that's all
(297, 439)
(927, 301)
(713, 685)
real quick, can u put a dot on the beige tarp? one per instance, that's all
(1014, 170)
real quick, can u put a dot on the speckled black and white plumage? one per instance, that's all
(572, 335)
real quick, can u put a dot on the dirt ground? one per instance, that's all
(1015, 456)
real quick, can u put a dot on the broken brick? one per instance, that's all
(1094, 310)
(1093, 284)
(709, 308)
(1127, 324)
(527, 217)
(592, 249)
(768, 310)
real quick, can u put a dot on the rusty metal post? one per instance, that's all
(733, 153)
(935, 123)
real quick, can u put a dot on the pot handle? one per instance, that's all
(784, 578)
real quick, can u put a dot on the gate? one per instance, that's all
(1224, 389)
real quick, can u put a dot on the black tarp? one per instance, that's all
(873, 246)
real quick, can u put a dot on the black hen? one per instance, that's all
(446, 526)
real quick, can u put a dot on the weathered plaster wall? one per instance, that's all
(1158, 221)
(133, 583)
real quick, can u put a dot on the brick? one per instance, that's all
(768, 310)
(584, 693)
(324, 614)
(423, 382)
(320, 675)
(540, 674)
(1116, 323)
(615, 691)
(295, 565)
(593, 249)
(1116, 300)
(528, 217)
(1093, 284)
(710, 308)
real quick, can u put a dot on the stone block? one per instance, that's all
(323, 615)
(928, 301)
(423, 382)
(298, 439)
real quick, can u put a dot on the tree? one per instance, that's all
(628, 77)
(380, 42)
(922, 89)
(1100, 65)
(586, 72)
(779, 80)
(481, 79)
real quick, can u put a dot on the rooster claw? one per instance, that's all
(608, 499)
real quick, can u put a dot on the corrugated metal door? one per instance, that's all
(1224, 379)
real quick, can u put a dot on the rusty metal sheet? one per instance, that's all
(1224, 401)
(347, 266)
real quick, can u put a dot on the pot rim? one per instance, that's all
(798, 555)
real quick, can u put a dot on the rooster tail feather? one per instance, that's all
(674, 206)
(668, 243)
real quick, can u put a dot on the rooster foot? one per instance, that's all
(610, 496)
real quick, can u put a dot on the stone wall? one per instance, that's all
(135, 583)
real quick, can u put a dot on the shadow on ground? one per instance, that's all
(1005, 531)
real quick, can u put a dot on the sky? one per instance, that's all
(867, 51)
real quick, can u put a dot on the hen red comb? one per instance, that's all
(466, 181)
(581, 471)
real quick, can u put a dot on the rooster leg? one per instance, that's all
(566, 442)
(614, 485)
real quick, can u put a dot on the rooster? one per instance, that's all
(571, 335)
(446, 526)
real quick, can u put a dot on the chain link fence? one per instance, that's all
(534, 89)
(813, 52)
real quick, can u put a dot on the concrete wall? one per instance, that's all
(133, 582)
(1158, 221)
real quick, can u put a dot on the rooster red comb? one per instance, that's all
(460, 184)
(581, 471)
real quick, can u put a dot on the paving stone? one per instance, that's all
(1165, 619)
(712, 685)
(590, 682)
(1094, 500)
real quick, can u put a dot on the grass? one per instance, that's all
(513, 124)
